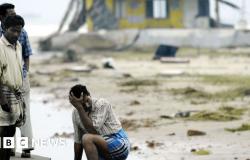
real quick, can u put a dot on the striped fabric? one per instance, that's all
(13, 97)
(118, 145)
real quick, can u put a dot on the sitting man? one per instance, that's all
(12, 113)
(96, 128)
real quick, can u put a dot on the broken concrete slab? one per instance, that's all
(33, 157)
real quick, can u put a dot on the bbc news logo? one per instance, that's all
(23, 142)
(19, 142)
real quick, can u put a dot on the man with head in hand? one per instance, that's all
(97, 130)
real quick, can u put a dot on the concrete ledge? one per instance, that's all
(33, 157)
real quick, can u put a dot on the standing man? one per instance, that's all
(97, 130)
(12, 112)
(6, 10)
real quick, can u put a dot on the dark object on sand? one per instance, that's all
(195, 133)
(165, 51)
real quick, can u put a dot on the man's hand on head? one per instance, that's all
(76, 102)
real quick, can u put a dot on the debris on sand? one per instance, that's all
(184, 114)
(152, 144)
(192, 132)
(200, 152)
(137, 83)
(134, 148)
(108, 63)
(212, 116)
(224, 113)
(130, 113)
(171, 134)
(243, 127)
(135, 102)
(63, 135)
(191, 93)
(133, 124)
(133, 85)
(166, 117)
(232, 111)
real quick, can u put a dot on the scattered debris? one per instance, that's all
(133, 124)
(130, 113)
(193, 150)
(191, 92)
(184, 114)
(192, 132)
(137, 83)
(166, 117)
(70, 56)
(243, 127)
(126, 75)
(153, 144)
(63, 135)
(232, 111)
(171, 134)
(200, 152)
(135, 102)
(134, 148)
(108, 63)
(212, 116)
(165, 51)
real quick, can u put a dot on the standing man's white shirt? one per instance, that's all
(10, 76)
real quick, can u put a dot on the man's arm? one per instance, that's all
(3, 100)
(78, 149)
(27, 63)
(86, 121)
(26, 49)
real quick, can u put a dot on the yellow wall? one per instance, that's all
(136, 18)
(89, 4)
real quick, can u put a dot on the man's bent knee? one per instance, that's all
(87, 139)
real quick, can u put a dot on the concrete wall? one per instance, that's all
(197, 38)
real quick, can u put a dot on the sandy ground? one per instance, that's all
(141, 108)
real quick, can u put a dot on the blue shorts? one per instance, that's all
(118, 145)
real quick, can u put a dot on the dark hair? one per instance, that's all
(4, 7)
(78, 89)
(12, 21)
